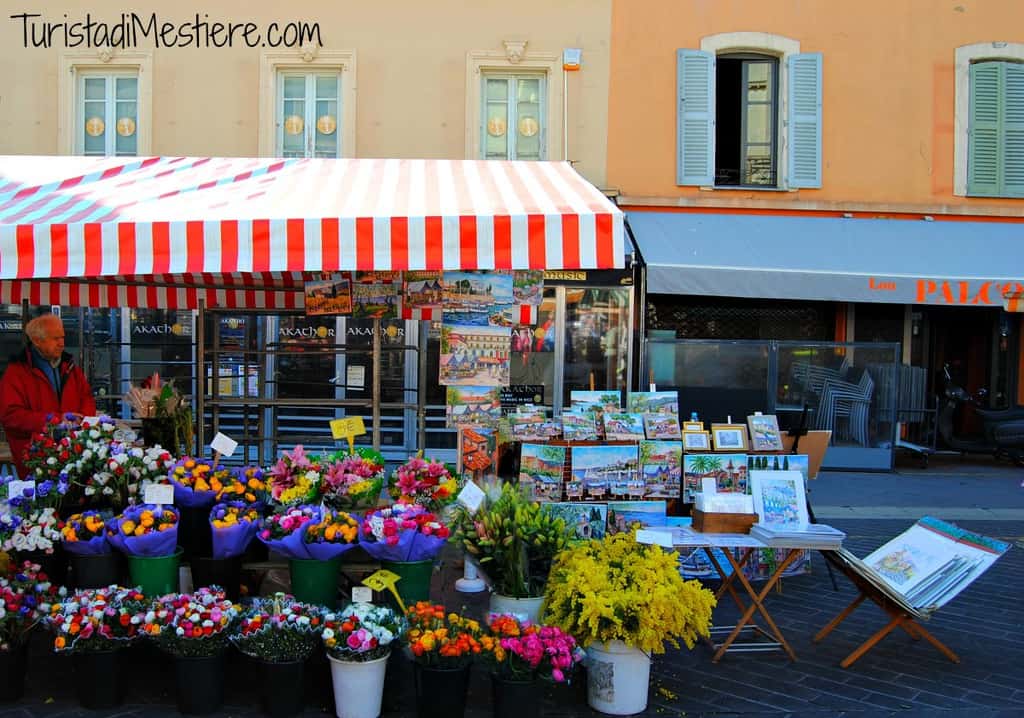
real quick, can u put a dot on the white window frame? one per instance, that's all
(779, 47)
(272, 65)
(545, 130)
(548, 64)
(72, 66)
(309, 115)
(967, 55)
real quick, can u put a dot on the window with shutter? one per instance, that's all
(995, 154)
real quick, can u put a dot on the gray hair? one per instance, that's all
(40, 327)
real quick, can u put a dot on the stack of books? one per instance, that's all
(811, 536)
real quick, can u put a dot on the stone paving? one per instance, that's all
(984, 625)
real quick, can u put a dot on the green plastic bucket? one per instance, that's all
(315, 581)
(414, 584)
(155, 576)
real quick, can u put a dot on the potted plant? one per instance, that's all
(358, 642)
(26, 596)
(444, 647)
(93, 625)
(280, 633)
(623, 600)
(522, 654)
(93, 561)
(166, 415)
(406, 539)
(148, 535)
(193, 628)
(514, 540)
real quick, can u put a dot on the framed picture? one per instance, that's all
(779, 499)
(693, 426)
(729, 437)
(696, 441)
(764, 433)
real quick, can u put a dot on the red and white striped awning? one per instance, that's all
(246, 232)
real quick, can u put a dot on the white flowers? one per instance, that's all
(37, 532)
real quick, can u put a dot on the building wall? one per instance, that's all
(411, 74)
(888, 97)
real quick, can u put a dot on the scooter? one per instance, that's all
(1002, 429)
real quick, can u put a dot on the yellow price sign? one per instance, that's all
(385, 580)
(348, 428)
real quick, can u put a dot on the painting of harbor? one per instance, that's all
(475, 355)
(621, 426)
(625, 516)
(598, 468)
(653, 402)
(478, 298)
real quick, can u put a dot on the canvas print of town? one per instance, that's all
(421, 292)
(661, 468)
(475, 355)
(598, 467)
(528, 287)
(728, 470)
(585, 520)
(622, 426)
(662, 426)
(605, 400)
(374, 296)
(540, 470)
(653, 402)
(473, 406)
(579, 426)
(478, 298)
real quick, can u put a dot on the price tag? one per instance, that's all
(385, 580)
(91, 420)
(471, 497)
(223, 444)
(16, 489)
(658, 538)
(158, 494)
(362, 594)
(348, 428)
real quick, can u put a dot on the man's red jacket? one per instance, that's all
(27, 398)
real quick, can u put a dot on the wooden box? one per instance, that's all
(723, 523)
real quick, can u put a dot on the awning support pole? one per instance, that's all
(200, 378)
(422, 337)
(376, 383)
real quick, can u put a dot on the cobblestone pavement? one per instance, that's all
(984, 625)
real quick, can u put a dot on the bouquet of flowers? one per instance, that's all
(137, 467)
(284, 530)
(295, 478)
(330, 535)
(279, 629)
(403, 532)
(233, 525)
(524, 651)
(200, 483)
(255, 487)
(95, 619)
(162, 401)
(85, 534)
(27, 528)
(145, 530)
(75, 455)
(26, 595)
(191, 625)
(352, 481)
(362, 632)
(439, 640)
(419, 481)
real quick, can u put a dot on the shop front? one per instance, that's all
(922, 294)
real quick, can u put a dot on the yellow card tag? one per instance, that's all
(348, 427)
(385, 580)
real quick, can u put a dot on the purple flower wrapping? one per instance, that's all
(92, 547)
(186, 496)
(152, 545)
(231, 541)
(291, 546)
(325, 550)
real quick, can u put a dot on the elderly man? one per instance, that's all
(40, 381)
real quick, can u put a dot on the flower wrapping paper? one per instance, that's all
(152, 545)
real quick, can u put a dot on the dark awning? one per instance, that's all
(968, 263)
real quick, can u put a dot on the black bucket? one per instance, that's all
(516, 699)
(281, 688)
(98, 680)
(194, 534)
(441, 692)
(98, 570)
(223, 572)
(13, 666)
(199, 684)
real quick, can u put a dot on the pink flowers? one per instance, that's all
(521, 650)
(428, 483)
(280, 525)
(361, 640)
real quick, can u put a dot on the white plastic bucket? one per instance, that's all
(358, 687)
(617, 678)
(524, 609)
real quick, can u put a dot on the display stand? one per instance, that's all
(900, 615)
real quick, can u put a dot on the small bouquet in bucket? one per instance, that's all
(440, 640)
(361, 632)
(352, 481)
(279, 629)
(425, 482)
(521, 651)
(233, 525)
(403, 532)
(85, 534)
(146, 530)
(26, 597)
(330, 535)
(295, 478)
(199, 483)
(284, 530)
(97, 619)
(191, 625)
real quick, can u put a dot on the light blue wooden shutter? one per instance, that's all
(1013, 129)
(695, 117)
(804, 121)
(983, 142)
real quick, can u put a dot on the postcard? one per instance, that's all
(586, 520)
(474, 355)
(375, 295)
(477, 298)
(422, 294)
(528, 287)
(653, 402)
(624, 516)
(779, 499)
(662, 426)
(541, 468)
(661, 468)
(473, 406)
(579, 426)
(728, 470)
(623, 426)
(329, 296)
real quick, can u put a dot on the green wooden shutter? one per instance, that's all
(983, 137)
(695, 117)
(1013, 130)
(804, 121)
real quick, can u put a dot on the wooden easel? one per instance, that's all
(899, 616)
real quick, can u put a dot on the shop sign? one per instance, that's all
(162, 329)
(10, 325)
(521, 394)
(590, 278)
(305, 333)
(963, 293)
